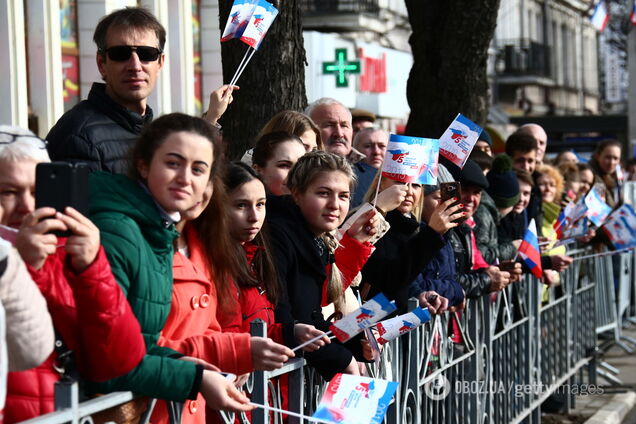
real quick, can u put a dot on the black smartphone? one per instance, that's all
(62, 184)
(449, 191)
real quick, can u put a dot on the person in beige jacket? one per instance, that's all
(27, 337)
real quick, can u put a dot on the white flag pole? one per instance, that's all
(293, 414)
(240, 65)
(240, 69)
(310, 341)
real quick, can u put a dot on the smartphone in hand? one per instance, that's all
(62, 184)
(449, 191)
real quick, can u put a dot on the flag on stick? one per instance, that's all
(529, 250)
(411, 159)
(240, 15)
(597, 209)
(354, 399)
(372, 311)
(260, 21)
(459, 139)
(632, 16)
(620, 227)
(394, 327)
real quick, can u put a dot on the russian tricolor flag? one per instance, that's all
(632, 17)
(600, 17)
(529, 250)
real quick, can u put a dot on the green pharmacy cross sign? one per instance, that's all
(341, 67)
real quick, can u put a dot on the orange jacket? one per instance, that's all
(192, 327)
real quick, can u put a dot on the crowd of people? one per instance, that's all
(154, 288)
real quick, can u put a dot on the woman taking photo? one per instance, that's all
(302, 232)
(408, 246)
(172, 164)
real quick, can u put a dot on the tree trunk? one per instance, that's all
(450, 42)
(273, 81)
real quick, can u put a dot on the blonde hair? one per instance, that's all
(370, 194)
(301, 176)
(551, 172)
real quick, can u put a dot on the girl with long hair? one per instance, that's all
(172, 164)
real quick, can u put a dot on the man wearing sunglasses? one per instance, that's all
(100, 130)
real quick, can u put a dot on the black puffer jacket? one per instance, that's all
(487, 219)
(98, 132)
(475, 283)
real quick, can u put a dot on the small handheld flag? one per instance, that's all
(459, 139)
(260, 21)
(632, 16)
(372, 311)
(240, 15)
(620, 227)
(600, 17)
(395, 327)
(411, 159)
(597, 209)
(529, 250)
(354, 399)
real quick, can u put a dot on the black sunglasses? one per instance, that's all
(14, 137)
(123, 53)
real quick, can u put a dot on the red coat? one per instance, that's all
(253, 304)
(93, 317)
(192, 327)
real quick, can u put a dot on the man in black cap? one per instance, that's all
(473, 273)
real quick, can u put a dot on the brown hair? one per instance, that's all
(155, 134)
(126, 19)
(263, 271)
(264, 148)
(292, 122)
(524, 177)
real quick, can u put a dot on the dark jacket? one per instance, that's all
(487, 219)
(475, 283)
(399, 256)
(364, 177)
(535, 209)
(439, 275)
(302, 270)
(139, 246)
(97, 131)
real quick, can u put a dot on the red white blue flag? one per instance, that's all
(260, 21)
(600, 17)
(411, 159)
(240, 15)
(371, 311)
(529, 250)
(395, 327)
(632, 16)
(459, 139)
(620, 227)
(354, 399)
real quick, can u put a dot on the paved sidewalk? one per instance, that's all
(616, 404)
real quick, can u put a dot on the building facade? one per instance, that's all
(544, 58)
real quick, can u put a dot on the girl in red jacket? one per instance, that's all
(258, 288)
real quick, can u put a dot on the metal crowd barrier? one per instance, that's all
(496, 361)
